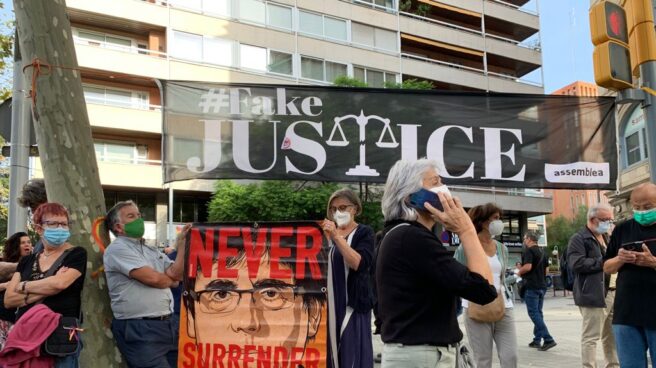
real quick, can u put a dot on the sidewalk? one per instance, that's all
(564, 322)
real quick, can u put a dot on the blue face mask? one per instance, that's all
(57, 236)
(603, 227)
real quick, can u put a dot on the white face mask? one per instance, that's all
(441, 189)
(342, 218)
(496, 227)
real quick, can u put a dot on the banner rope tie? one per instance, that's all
(649, 90)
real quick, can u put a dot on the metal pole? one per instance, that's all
(20, 141)
(648, 75)
(171, 233)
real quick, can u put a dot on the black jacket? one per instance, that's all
(585, 257)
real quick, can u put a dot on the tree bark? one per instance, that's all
(67, 155)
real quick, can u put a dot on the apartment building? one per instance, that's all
(125, 46)
(566, 202)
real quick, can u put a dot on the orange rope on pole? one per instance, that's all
(36, 64)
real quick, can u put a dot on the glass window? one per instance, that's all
(279, 16)
(118, 41)
(362, 34)
(385, 39)
(280, 62)
(119, 153)
(118, 98)
(217, 51)
(633, 149)
(312, 68)
(253, 57)
(335, 28)
(358, 73)
(187, 46)
(375, 79)
(310, 23)
(390, 77)
(252, 11)
(334, 70)
(94, 95)
(95, 39)
(634, 137)
(218, 7)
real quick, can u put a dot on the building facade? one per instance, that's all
(566, 202)
(124, 46)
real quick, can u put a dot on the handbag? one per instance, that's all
(491, 312)
(63, 340)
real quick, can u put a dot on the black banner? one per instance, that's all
(239, 131)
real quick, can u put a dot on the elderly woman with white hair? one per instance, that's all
(417, 280)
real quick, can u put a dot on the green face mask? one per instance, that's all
(135, 229)
(645, 218)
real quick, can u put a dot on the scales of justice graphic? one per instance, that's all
(362, 169)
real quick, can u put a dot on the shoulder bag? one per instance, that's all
(491, 312)
(63, 341)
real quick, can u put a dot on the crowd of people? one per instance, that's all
(403, 277)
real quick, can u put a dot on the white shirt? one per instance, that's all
(495, 266)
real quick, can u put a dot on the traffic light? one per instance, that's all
(642, 38)
(611, 56)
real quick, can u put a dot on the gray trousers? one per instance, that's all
(502, 334)
(418, 356)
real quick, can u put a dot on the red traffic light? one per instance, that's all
(616, 22)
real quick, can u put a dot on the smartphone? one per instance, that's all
(635, 246)
(418, 199)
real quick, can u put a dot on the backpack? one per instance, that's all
(566, 273)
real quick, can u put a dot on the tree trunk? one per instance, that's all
(67, 156)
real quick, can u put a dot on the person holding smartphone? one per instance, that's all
(417, 280)
(634, 316)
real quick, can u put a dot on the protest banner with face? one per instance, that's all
(255, 296)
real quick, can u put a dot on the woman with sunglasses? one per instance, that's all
(32, 284)
(349, 291)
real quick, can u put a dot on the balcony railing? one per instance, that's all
(122, 104)
(470, 69)
(522, 8)
(442, 23)
(121, 48)
(128, 161)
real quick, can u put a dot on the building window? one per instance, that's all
(322, 26)
(187, 46)
(310, 23)
(114, 97)
(145, 201)
(634, 138)
(104, 40)
(280, 62)
(217, 7)
(312, 68)
(512, 235)
(373, 78)
(279, 16)
(252, 11)
(189, 209)
(321, 70)
(122, 153)
(253, 57)
(373, 37)
(217, 51)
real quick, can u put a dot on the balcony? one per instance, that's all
(148, 120)
(123, 60)
(445, 72)
(128, 13)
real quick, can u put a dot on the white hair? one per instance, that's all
(592, 211)
(404, 179)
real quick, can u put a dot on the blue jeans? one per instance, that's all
(632, 344)
(147, 343)
(534, 300)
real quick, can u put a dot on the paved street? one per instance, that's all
(564, 322)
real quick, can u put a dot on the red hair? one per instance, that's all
(49, 208)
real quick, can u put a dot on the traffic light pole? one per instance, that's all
(648, 75)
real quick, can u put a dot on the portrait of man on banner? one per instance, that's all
(254, 294)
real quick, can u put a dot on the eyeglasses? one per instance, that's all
(606, 220)
(341, 208)
(54, 224)
(219, 301)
